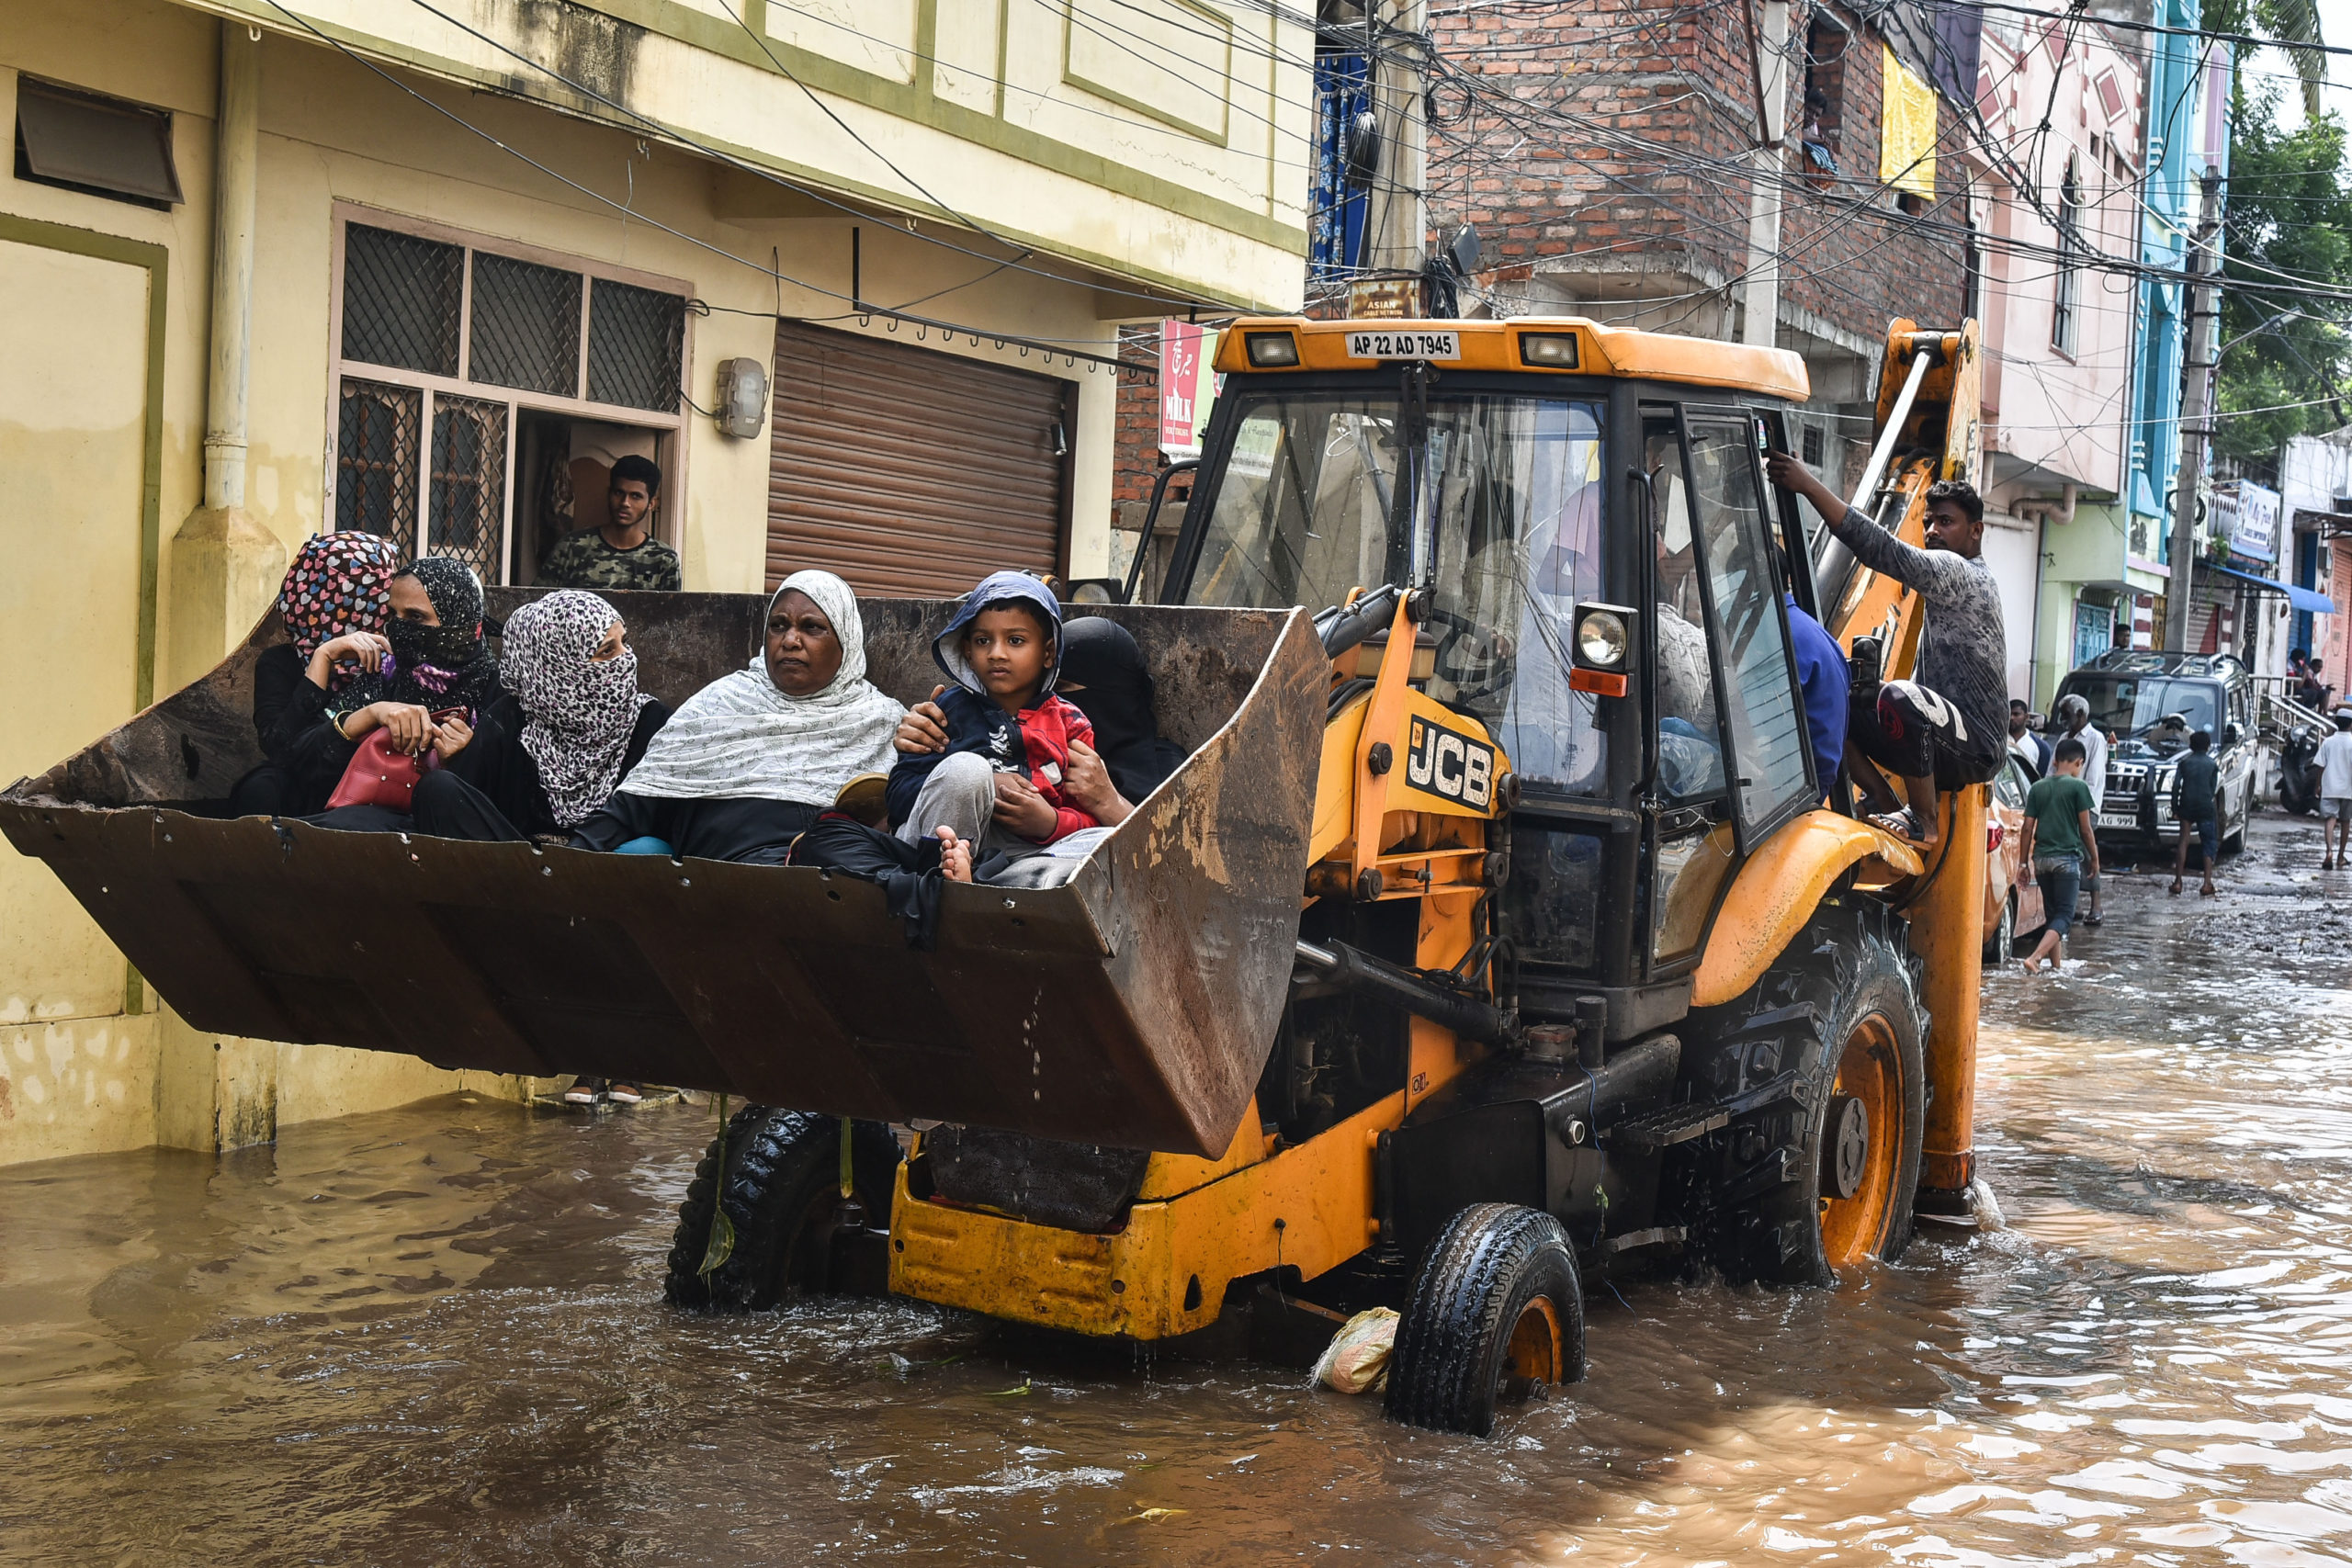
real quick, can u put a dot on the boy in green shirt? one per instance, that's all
(2060, 835)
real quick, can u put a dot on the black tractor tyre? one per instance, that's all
(782, 1194)
(1805, 1187)
(1496, 1309)
(1998, 946)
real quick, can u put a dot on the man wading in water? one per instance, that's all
(1947, 727)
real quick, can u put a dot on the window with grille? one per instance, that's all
(450, 352)
(2063, 303)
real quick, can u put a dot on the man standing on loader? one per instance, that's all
(1945, 728)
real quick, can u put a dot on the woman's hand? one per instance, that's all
(1088, 784)
(451, 736)
(363, 649)
(924, 730)
(1021, 809)
(411, 726)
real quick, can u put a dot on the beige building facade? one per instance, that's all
(421, 266)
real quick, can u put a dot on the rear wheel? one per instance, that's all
(1824, 1180)
(1496, 1312)
(2005, 935)
(780, 1189)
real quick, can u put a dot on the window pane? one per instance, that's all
(1690, 749)
(1767, 730)
(1518, 548)
(85, 143)
(374, 461)
(468, 489)
(526, 326)
(1302, 516)
(636, 346)
(400, 298)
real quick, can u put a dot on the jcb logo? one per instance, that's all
(1449, 765)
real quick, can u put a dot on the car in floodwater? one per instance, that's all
(2012, 898)
(2130, 694)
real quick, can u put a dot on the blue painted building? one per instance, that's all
(2186, 133)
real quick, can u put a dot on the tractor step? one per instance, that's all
(1668, 1125)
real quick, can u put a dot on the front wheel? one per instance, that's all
(2005, 935)
(1496, 1312)
(776, 1175)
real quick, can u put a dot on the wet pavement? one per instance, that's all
(436, 1337)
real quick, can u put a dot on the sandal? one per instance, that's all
(584, 1091)
(1898, 822)
(622, 1092)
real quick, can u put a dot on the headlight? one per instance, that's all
(1554, 351)
(1601, 639)
(1272, 351)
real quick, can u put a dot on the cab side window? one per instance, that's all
(1768, 734)
(1690, 750)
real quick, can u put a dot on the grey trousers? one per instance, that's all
(960, 794)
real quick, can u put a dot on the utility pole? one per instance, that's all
(1761, 296)
(2196, 394)
(1398, 243)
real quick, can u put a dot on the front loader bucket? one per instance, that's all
(1135, 1006)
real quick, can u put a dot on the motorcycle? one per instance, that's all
(2297, 773)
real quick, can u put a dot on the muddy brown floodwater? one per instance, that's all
(436, 1337)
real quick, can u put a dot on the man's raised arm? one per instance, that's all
(1937, 574)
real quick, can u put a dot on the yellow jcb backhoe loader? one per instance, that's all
(1494, 932)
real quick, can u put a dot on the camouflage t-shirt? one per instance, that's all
(584, 560)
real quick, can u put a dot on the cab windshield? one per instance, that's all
(1320, 495)
(2128, 703)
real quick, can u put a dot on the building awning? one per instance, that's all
(2301, 598)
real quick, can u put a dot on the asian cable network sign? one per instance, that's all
(2247, 515)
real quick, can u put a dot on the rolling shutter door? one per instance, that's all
(909, 471)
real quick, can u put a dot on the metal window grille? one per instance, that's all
(468, 485)
(526, 328)
(636, 346)
(401, 297)
(2062, 304)
(375, 460)
(1813, 444)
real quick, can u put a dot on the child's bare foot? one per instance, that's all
(955, 856)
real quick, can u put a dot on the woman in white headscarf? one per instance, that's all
(745, 766)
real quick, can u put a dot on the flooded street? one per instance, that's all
(436, 1337)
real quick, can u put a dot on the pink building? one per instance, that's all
(2058, 333)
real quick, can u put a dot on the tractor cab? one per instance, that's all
(1593, 569)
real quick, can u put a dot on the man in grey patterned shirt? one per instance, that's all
(1947, 727)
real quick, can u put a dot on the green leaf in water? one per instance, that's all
(1011, 1392)
(722, 1244)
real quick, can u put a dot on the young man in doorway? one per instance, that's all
(623, 554)
(1947, 727)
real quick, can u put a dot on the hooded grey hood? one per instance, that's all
(948, 649)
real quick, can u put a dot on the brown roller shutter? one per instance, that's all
(909, 471)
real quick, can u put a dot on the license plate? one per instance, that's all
(2114, 821)
(1404, 346)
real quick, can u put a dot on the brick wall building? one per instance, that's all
(1600, 149)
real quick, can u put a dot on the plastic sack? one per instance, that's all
(1356, 1361)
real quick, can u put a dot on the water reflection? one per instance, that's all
(436, 1337)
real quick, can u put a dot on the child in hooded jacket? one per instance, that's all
(999, 784)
